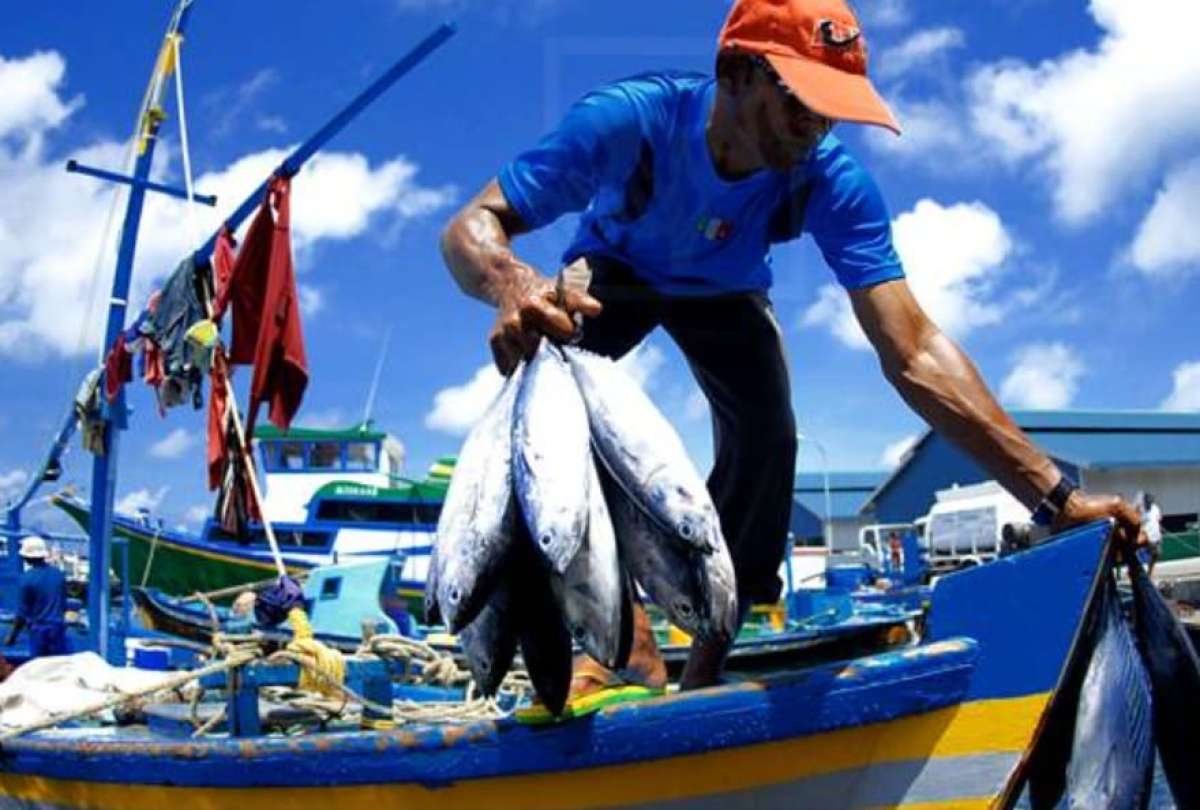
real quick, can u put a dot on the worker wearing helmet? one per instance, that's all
(41, 602)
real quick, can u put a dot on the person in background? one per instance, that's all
(41, 603)
(1152, 528)
(896, 549)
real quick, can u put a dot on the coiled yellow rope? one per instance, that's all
(322, 670)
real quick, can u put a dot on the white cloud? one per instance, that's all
(457, 408)
(196, 515)
(328, 419)
(916, 51)
(29, 100)
(895, 452)
(933, 134)
(141, 499)
(695, 407)
(47, 274)
(643, 363)
(1100, 121)
(951, 256)
(174, 445)
(1168, 239)
(1044, 376)
(12, 483)
(225, 107)
(880, 14)
(311, 300)
(1185, 392)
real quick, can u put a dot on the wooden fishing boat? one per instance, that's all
(947, 723)
(330, 495)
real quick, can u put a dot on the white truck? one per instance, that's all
(965, 525)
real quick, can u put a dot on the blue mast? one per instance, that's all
(104, 466)
(115, 416)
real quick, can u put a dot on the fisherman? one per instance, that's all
(41, 602)
(684, 182)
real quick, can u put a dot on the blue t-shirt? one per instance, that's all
(43, 595)
(632, 157)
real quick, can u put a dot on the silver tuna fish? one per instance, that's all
(490, 642)
(551, 452)
(643, 452)
(475, 529)
(1113, 754)
(694, 589)
(590, 590)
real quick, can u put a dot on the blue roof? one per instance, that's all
(848, 490)
(841, 480)
(1107, 439)
(1077, 440)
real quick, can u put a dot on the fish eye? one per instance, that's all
(455, 595)
(686, 531)
(546, 539)
(685, 608)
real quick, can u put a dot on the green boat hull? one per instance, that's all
(172, 567)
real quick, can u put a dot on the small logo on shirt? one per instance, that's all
(715, 229)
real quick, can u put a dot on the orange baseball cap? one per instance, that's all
(817, 48)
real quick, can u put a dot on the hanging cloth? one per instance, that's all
(223, 261)
(266, 312)
(218, 421)
(118, 368)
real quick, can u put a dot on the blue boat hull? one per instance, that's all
(945, 724)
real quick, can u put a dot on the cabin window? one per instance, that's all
(325, 456)
(378, 511)
(331, 587)
(291, 456)
(362, 456)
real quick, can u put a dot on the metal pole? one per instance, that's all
(304, 151)
(104, 465)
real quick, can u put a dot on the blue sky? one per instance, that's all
(1043, 201)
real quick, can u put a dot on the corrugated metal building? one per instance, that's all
(1107, 451)
(847, 492)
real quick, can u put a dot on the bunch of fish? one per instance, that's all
(570, 489)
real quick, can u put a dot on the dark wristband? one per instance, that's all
(1054, 502)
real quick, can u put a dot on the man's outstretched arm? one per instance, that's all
(477, 248)
(937, 379)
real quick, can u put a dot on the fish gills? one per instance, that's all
(675, 576)
(643, 452)
(474, 532)
(550, 445)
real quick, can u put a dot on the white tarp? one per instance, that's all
(58, 685)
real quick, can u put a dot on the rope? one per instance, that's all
(188, 204)
(322, 670)
(150, 557)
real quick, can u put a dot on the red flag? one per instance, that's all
(266, 311)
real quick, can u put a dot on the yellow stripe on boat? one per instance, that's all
(983, 727)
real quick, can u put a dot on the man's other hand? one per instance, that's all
(1084, 508)
(530, 308)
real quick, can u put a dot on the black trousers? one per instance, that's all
(735, 349)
